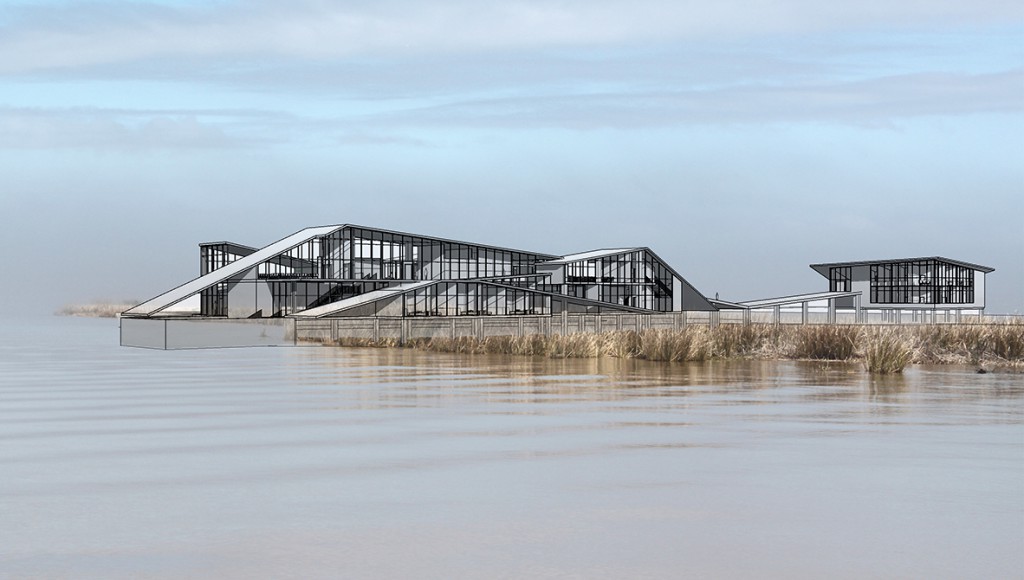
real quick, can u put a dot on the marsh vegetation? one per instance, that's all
(880, 349)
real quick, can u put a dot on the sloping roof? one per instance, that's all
(368, 297)
(447, 240)
(592, 254)
(171, 297)
(823, 268)
(726, 305)
(796, 299)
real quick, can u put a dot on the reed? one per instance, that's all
(1006, 342)
(882, 350)
(578, 345)
(970, 344)
(693, 343)
(746, 340)
(886, 351)
(621, 344)
(837, 342)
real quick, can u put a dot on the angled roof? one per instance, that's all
(234, 245)
(447, 240)
(726, 305)
(171, 297)
(823, 268)
(796, 299)
(592, 254)
(365, 298)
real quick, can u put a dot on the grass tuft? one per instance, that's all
(837, 342)
(886, 351)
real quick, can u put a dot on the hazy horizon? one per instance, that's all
(740, 142)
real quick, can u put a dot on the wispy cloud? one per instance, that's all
(875, 102)
(93, 33)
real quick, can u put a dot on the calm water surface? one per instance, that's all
(364, 463)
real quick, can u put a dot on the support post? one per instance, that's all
(376, 329)
(857, 314)
(831, 310)
(777, 315)
(804, 311)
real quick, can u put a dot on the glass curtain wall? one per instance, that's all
(366, 254)
(921, 282)
(473, 299)
(839, 279)
(636, 279)
(213, 301)
(353, 261)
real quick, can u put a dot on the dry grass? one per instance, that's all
(970, 344)
(835, 342)
(886, 350)
(882, 350)
(693, 343)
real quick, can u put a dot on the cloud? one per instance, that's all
(26, 128)
(875, 101)
(69, 35)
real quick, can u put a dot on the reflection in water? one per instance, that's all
(320, 462)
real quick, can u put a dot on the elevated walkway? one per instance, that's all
(802, 300)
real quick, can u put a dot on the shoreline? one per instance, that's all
(95, 310)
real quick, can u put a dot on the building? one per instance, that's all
(934, 283)
(348, 270)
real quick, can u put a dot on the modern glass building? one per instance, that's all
(910, 283)
(348, 270)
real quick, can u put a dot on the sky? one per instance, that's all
(742, 141)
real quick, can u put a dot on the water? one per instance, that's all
(317, 463)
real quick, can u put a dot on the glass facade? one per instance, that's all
(636, 279)
(473, 299)
(921, 282)
(352, 261)
(839, 279)
(472, 279)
